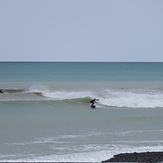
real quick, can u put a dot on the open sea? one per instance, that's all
(45, 113)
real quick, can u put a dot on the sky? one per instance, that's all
(81, 30)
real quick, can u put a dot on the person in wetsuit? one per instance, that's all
(93, 103)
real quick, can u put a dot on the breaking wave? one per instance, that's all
(131, 98)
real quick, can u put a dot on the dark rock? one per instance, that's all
(137, 157)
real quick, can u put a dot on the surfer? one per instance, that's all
(1, 91)
(92, 102)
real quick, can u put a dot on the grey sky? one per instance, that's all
(81, 30)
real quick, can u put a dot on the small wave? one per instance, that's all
(13, 90)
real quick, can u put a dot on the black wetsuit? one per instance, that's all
(93, 103)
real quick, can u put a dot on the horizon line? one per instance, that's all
(93, 61)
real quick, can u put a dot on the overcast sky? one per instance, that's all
(81, 30)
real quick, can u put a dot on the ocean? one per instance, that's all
(45, 112)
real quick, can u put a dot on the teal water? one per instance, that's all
(79, 71)
(45, 113)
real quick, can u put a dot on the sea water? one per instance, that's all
(45, 113)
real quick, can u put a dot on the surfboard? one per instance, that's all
(92, 105)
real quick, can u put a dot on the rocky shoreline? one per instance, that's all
(137, 157)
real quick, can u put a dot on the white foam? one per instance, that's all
(99, 154)
(132, 99)
(38, 88)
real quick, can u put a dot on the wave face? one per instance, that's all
(131, 98)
